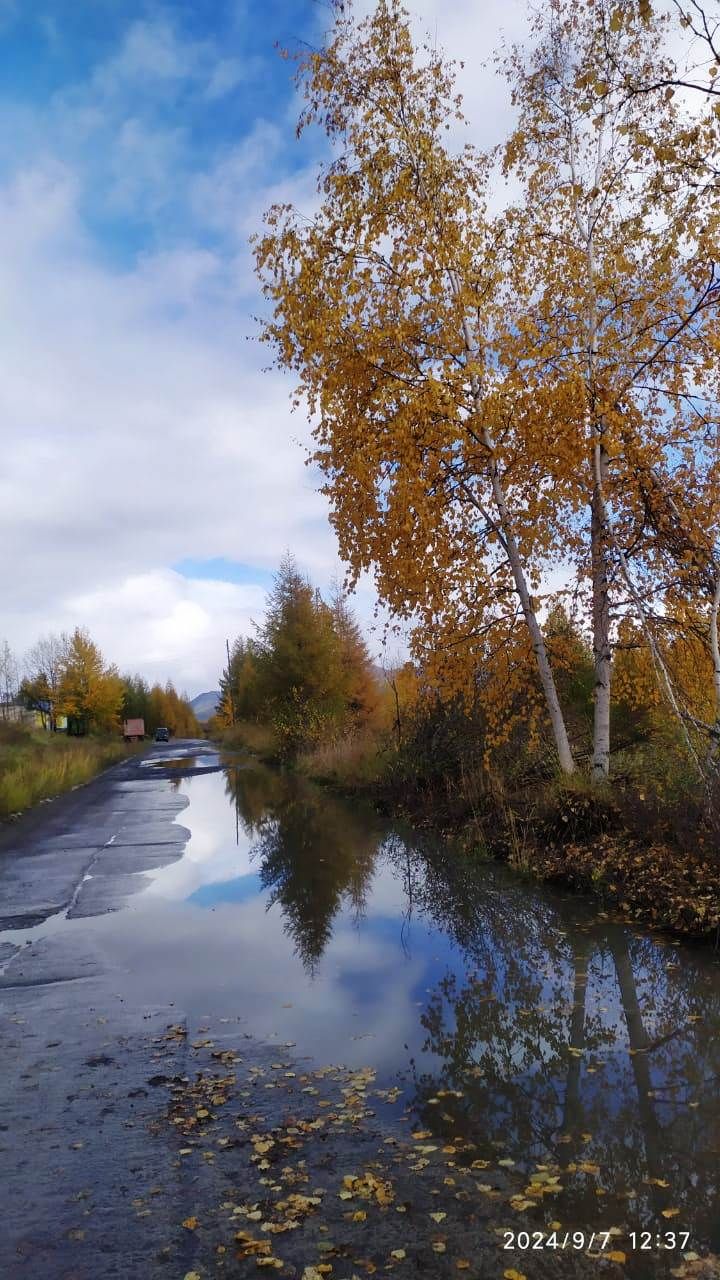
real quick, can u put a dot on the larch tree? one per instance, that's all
(90, 692)
(239, 688)
(613, 264)
(136, 692)
(299, 661)
(360, 683)
(387, 305)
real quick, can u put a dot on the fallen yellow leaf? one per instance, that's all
(670, 1213)
(616, 1255)
(191, 1223)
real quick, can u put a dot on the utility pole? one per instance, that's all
(230, 684)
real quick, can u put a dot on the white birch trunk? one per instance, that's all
(599, 521)
(547, 680)
(562, 742)
(602, 653)
(537, 640)
(715, 652)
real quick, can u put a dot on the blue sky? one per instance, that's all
(171, 89)
(153, 475)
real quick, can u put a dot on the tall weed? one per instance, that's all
(36, 766)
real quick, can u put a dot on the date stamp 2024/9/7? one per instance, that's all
(605, 1242)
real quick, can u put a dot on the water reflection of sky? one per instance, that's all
(566, 1036)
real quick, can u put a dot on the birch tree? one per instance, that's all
(44, 667)
(617, 254)
(8, 678)
(387, 304)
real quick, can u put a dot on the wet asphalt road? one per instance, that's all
(76, 1109)
(140, 1141)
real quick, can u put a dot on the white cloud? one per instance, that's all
(142, 159)
(160, 623)
(151, 54)
(226, 75)
(139, 430)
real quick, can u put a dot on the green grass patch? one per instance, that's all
(36, 766)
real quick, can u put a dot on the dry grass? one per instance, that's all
(35, 766)
(355, 760)
(259, 739)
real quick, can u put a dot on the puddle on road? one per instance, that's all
(183, 763)
(512, 1015)
(178, 762)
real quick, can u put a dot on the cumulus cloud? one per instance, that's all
(139, 428)
(169, 624)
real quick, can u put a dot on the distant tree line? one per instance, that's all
(67, 676)
(158, 705)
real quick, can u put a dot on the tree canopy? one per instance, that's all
(495, 395)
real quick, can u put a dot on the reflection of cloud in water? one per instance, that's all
(237, 958)
(211, 854)
(542, 1022)
(234, 941)
(549, 1032)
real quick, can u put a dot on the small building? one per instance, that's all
(15, 712)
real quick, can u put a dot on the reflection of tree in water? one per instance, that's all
(315, 853)
(255, 792)
(572, 1041)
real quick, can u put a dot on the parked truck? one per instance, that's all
(133, 730)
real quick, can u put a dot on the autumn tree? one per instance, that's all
(616, 330)
(307, 670)
(90, 693)
(9, 678)
(300, 674)
(387, 304)
(240, 696)
(698, 76)
(136, 693)
(165, 708)
(399, 695)
(182, 717)
(359, 680)
(44, 667)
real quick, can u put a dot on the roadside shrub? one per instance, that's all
(248, 735)
(354, 760)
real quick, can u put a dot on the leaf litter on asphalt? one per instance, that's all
(290, 1206)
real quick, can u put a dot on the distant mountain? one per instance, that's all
(205, 705)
